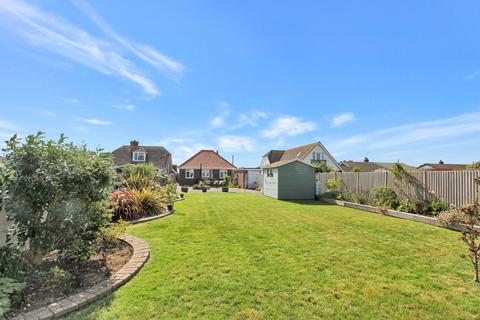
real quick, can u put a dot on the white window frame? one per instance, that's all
(222, 173)
(269, 173)
(318, 156)
(189, 173)
(206, 173)
(136, 155)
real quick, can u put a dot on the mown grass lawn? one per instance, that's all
(245, 256)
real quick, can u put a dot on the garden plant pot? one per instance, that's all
(224, 189)
(170, 207)
(185, 189)
(182, 196)
(204, 189)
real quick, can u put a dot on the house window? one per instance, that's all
(269, 173)
(222, 174)
(205, 173)
(189, 173)
(139, 156)
(318, 156)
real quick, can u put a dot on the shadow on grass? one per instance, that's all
(308, 202)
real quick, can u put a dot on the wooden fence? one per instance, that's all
(455, 187)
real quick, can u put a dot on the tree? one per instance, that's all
(56, 194)
(356, 169)
(474, 166)
(469, 216)
(322, 167)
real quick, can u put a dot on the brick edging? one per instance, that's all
(146, 219)
(141, 253)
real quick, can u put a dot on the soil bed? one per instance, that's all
(48, 286)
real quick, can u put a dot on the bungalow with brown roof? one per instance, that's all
(442, 166)
(135, 154)
(369, 166)
(204, 165)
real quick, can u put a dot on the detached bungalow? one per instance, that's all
(441, 166)
(204, 165)
(135, 154)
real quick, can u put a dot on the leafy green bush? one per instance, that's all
(384, 197)
(7, 288)
(421, 207)
(57, 194)
(405, 205)
(359, 198)
(170, 192)
(322, 167)
(146, 170)
(125, 205)
(438, 205)
(107, 236)
(151, 200)
(333, 185)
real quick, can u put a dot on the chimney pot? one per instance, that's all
(366, 159)
(134, 143)
(441, 162)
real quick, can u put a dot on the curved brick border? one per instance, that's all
(140, 255)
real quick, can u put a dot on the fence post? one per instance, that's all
(425, 187)
(385, 178)
(358, 182)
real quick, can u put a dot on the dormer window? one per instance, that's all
(139, 156)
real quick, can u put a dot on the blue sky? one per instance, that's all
(394, 81)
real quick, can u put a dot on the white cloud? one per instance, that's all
(46, 113)
(165, 64)
(218, 121)
(183, 152)
(417, 133)
(249, 119)
(7, 125)
(342, 119)
(288, 126)
(75, 101)
(236, 143)
(128, 107)
(57, 35)
(97, 122)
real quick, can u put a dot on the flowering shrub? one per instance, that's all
(125, 205)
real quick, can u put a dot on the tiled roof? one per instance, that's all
(156, 155)
(282, 163)
(298, 152)
(445, 166)
(207, 159)
(349, 166)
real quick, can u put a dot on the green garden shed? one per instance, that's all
(289, 180)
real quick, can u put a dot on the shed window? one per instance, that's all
(189, 173)
(269, 173)
(139, 156)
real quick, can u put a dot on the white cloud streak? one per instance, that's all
(57, 35)
(236, 144)
(288, 126)
(342, 119)
(97, 122)
(128, 107)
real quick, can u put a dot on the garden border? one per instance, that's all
(141, 253)
(396, 214)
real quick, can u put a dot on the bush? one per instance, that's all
(107, 236)
(125, 205)
(151, 200)
(146, 170)
(359, 198)
(384, 197)
(333, 185)
(421, 207)
(7, 288)
(438, 205)
(405, 205)
(57, 194)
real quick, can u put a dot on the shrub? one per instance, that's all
(333, 185)
(438, 205)
(146, 170)
(322, 167)
(138, 182)
(405, 205)
(7, 288)
(468, 215)
(421, 207)
(57, 194)
(125, 205)
(359, 198)
(384, 197)
(151, 200)
(474, 166)
(107, 236)
(170, 192)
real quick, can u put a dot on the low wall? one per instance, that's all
(396, 214)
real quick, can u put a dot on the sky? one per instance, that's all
(394, 81)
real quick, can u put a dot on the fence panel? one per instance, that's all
(455, 187)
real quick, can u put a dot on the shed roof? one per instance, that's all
(284, 162)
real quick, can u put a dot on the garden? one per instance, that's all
(66, 208)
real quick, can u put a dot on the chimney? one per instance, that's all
(134, 143)
(217, 151)
(366, 159)
(441, 162)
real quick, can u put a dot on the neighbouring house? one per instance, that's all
(369, 166)
(248, 178)
(135, 154)
(204, 165)
(442, 166)
(310, 154)
(290, 179)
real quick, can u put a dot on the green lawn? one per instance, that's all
(245, 256)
